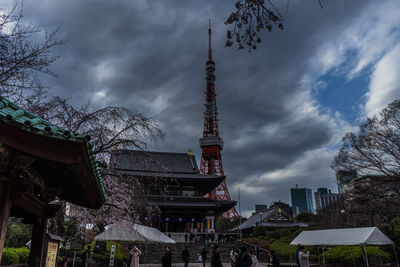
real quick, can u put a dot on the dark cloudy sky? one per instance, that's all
(283, 108)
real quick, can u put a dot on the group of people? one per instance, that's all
(207, 239)
(242, 258)
(166, 259)
(238, 257)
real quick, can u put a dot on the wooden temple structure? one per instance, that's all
(174, 184)
(39, 163)
(274, 218)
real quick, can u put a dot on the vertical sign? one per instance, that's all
(112, 255)
(51, 257)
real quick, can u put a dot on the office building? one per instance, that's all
(325, 199)
(302, 201)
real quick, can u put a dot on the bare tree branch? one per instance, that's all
(248, 19)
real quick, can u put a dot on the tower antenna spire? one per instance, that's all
(209, 40)
(211, 143)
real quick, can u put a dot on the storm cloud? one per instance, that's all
(149, 56)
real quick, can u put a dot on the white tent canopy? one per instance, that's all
(124, 232)
(343, 237)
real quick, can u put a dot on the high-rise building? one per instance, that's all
(302, 201)
(344, 178)
(324, 199)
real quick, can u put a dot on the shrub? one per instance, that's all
(261, 242)
(284, 250)
(258, 231)
(23, 254)
(17, 234)
(313, 258)
(63, 250)
(9, 257)
(353, 255)
(101, 258)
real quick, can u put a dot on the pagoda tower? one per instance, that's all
(211, 143)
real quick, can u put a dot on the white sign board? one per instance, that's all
(112, 255)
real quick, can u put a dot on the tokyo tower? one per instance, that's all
(211, 143)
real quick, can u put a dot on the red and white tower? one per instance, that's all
(211, 143)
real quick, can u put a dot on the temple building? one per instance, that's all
(274, 218)
(173, 183)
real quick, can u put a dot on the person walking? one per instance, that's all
(191, 237)
(254, 259)
(216, 257)
(207, 238)
(186, 256)
(186, 237)
(304, 258)
(275, 262)
(257, 251)
(233, 254)
(297, 255)
(167, 258)
(203, 255)
(135, 254)
(85, 258)
(243, 259)
(268, 258)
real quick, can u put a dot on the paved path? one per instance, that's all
(207, 265)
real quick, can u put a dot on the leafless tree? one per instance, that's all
(374, 154)
(108, 129)
(250, 17)
(369, 201)
(25, 52)
(376, 148)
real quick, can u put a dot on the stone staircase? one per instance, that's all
(178, 237)
(155, 252)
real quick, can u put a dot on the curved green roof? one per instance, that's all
(19, 117)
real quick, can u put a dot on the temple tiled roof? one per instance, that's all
(149, 161)
(188, 176)
(265, 218)
(151, 165)
(192, 203)
(14, 115)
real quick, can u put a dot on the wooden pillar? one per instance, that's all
(5, 208)
(38, 238)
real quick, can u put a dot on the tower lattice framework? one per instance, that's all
(211, 143)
